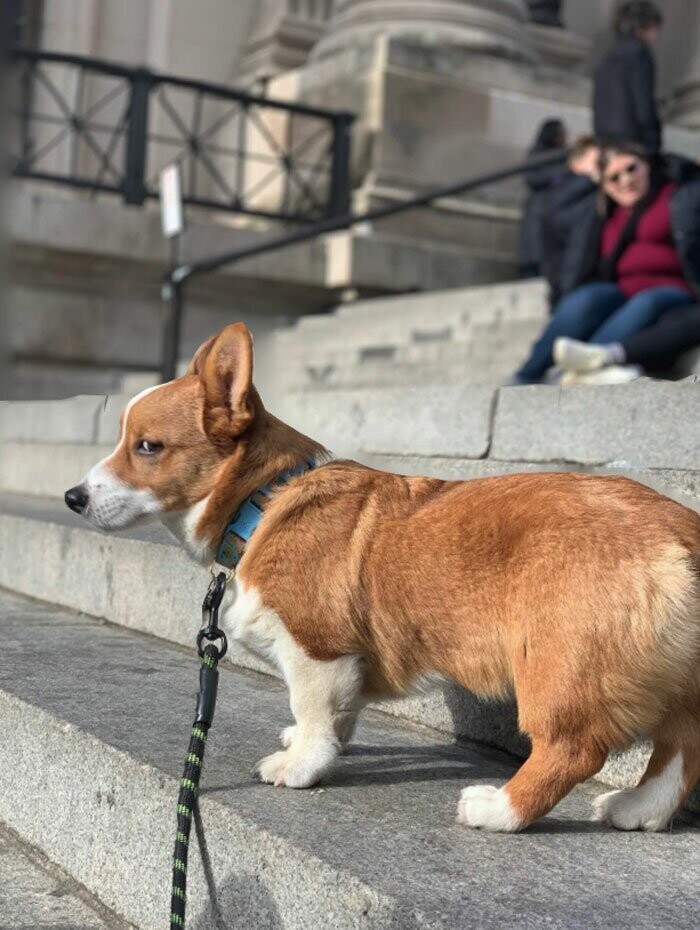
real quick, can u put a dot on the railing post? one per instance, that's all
(136, 140)
(26, 101)
(173, 293)
(339, 193)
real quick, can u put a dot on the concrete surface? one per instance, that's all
(23, 469)
(74, 420)
(447, 420)
(476, 333)
(141, 580)
(96, 723)
(646, 423)
(23, 466)
(71, 420)
(36, 895)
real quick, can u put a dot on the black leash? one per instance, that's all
(210, 655)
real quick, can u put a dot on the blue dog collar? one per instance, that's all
(249, 514)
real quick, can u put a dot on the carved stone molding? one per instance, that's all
(560, 48)
(497, 27)
(283, 33)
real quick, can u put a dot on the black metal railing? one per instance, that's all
(104, 127)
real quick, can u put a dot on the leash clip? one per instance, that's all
(210, 618)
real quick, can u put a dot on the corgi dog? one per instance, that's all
(578, 595)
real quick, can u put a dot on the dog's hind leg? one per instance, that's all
(548, 775)
(323, 697)
(671, 775)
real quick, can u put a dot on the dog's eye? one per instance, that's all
(146, 447)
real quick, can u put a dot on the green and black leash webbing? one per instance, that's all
(206, 702)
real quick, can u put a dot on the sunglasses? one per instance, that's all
(628, 171)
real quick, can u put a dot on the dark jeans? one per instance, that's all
(599, 313)
(677, 331)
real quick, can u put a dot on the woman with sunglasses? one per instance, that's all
(633, 255)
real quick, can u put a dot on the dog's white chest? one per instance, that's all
(246, 619)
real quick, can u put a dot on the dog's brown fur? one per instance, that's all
(578, 595)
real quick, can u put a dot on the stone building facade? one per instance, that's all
(255, 40)
(441, 89)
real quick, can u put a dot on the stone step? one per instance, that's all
(35, 894)
(89, 775)
(479, 333)
(24, 475)
(46, 469)
(594, 426)
(442, 315)
(396, 368)
(37, 379)
(47, 447)
(49, 553)
(485, 341)
(513, 296)
(86, 419)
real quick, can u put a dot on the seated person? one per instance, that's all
(573, 195)
(540, 179)
(652, 349)
(631, 257)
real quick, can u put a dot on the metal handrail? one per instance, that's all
(178, 275)
(187, 270)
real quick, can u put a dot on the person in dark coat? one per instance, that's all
(633, 254)
(624, 105)
(550, 138)
(565, 203)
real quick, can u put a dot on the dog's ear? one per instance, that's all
(224, 364)
(199, 357)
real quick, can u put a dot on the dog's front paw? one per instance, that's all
(286, 770)
(487, 807)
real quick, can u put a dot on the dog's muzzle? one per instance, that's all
(77, 498)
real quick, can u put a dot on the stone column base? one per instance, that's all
(559, 48)
(496, 27)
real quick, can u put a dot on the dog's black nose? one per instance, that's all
(77, 498)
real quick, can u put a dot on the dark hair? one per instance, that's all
(550, 135)
(635, 16)
(611, 147)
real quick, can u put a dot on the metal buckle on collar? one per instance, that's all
(210, 616)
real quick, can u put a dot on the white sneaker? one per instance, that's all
(572, 355)
(611, 374)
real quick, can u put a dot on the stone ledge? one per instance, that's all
(678, 484)
(94, 785)
(46, 469)
(73, 420)
(650, 424)
(34, 890)
(446, 420)
(82, 420)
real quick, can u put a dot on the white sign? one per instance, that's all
(171, 201)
